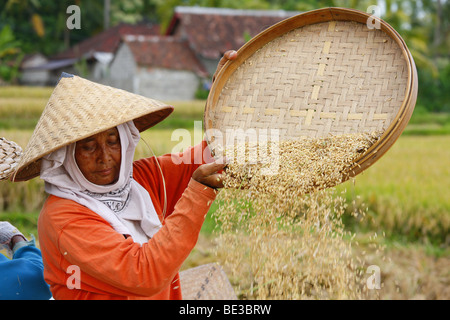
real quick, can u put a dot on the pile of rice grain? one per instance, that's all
(280, 229)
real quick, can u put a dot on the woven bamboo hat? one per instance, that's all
(10, 154)
(79, 108)
(324, 72)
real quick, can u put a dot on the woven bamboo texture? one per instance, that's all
(79, 108)
(10, 154)
(206, 282)
(317, 74)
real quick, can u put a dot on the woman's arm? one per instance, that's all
(111, 264)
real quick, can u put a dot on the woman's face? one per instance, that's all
(99, 156)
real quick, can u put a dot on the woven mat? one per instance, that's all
(206, 282)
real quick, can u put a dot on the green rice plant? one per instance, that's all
(21, 107)
(21, 137)
(406, 193)
(25, 222)
(22, 197)
(25, 92)
(184, 115)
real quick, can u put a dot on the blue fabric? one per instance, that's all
(64, 75)
(22, 277)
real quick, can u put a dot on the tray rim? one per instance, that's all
(397, 125)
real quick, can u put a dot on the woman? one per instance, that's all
(113, 228)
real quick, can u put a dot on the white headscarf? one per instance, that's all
(125, 204)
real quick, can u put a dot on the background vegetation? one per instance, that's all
(28, 26)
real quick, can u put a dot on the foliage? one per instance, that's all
(10, 55)
(434, 89)
(40, 26)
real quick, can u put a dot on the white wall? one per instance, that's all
(157, 83)
(122, 70)
(167, 85)
(34, 77)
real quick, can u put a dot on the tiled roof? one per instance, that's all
(107, 41)
(212, 31)
(164, 52)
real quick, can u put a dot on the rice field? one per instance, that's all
(405, 197)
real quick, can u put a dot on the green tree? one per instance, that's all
(10, 55)
(40, 25)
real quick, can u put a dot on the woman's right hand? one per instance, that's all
(209, 174)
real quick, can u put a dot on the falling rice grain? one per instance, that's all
(280, 225)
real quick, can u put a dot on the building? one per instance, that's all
(89, 58)
(158, 67)
(210, 32)
(172, 66)
(32, 72)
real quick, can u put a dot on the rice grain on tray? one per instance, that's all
(281, 232)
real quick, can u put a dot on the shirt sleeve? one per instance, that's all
(115, 265)
(170, 173)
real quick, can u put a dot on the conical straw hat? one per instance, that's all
(10, 154)
(79, 108)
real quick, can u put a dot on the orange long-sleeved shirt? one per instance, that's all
(85, 258)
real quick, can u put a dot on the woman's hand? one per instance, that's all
(229, 55)
(209, 174)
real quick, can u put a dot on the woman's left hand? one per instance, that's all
(228, 55)
(209, 174)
